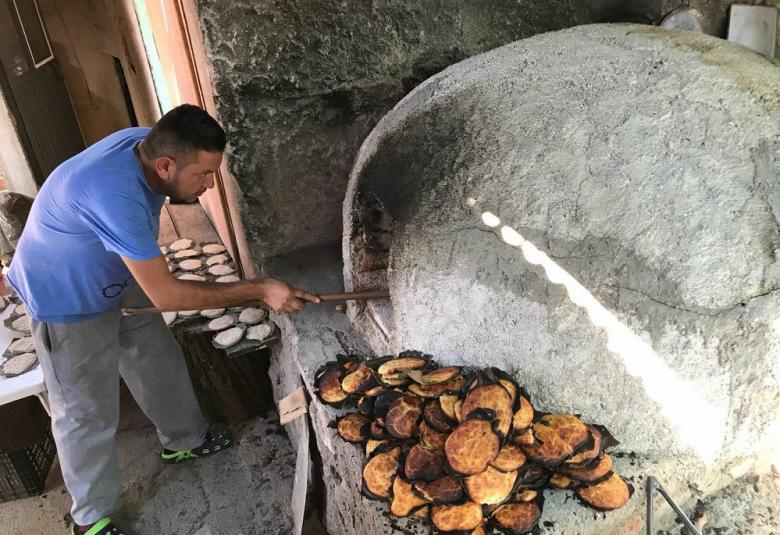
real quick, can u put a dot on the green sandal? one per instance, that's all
(101, 527)
(216, 441)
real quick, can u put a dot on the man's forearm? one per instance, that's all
(193, 295)
(168, 293)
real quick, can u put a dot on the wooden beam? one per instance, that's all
(167, 232)
(190, 221)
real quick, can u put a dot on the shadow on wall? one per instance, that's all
(638, 12)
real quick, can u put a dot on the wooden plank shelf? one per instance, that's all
(232, 385)
(190, 221)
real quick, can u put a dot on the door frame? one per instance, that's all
(20, 130)
(177, 36)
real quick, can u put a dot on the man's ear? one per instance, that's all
(165, 167)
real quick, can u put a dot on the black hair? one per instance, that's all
(184, 129)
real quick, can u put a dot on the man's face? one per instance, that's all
(190, 181)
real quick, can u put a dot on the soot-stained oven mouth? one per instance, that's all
(370, 244)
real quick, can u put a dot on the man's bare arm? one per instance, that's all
(169, 293)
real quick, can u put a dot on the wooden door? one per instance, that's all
(35, 89)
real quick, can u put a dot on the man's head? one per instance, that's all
(185, 149)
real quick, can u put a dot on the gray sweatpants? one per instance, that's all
(81, 364)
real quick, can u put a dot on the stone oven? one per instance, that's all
(593, 211)
(596, 212)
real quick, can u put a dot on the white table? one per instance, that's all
(27, 384)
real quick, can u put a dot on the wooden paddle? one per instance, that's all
(324, 298)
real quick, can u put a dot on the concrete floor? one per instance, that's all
(243, 491)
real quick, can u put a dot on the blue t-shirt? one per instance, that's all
(93, 208)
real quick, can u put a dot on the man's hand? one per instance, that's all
(282, 297)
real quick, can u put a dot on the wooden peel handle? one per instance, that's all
(355, 296)
(325, 298)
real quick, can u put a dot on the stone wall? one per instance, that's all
(300, 83)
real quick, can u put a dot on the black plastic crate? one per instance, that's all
(23, 472)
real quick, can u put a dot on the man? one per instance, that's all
(89, 248)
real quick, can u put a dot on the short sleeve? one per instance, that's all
(123, 224)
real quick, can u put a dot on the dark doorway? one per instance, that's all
(35, 90)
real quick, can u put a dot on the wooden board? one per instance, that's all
(167, 232)
(190, 221)
(231, 385)
(198, 324)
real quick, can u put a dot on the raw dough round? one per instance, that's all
(222, 323)
(21, 324)
(191, 277)
(19, 364)
(22, 345)
(228, 278)
(251, 316)
(190, 265)
(21, 310)
(217, 259)
(229, 337)
(186, 253)
(180, 245)
(213, 248)
(212, 312)
(169, 317)
(163, 250)
(188, 313)
(259, 332)
(221, 269)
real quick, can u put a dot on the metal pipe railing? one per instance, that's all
(653, 485)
